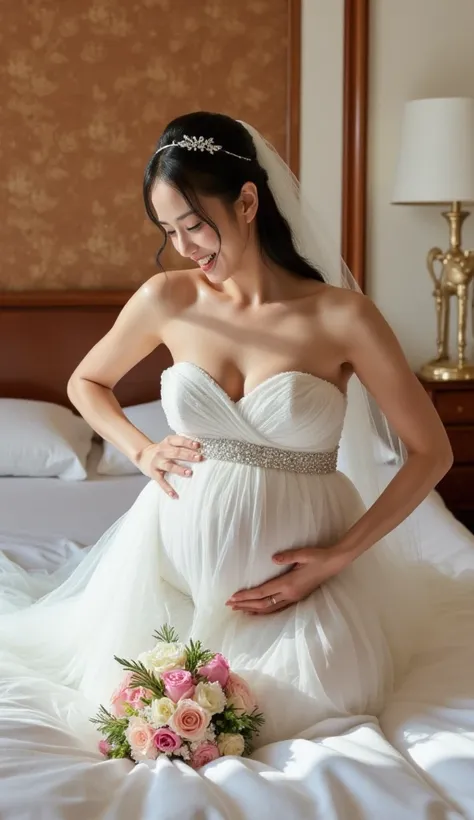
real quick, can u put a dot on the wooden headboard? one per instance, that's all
(44, 335)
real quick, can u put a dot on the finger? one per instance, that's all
(270, 610)
(182, 441)
(168, 466)
(261, 603)
(256, 593)
(254, 606)
(301, 556)
(167, 488)
(181, 454)
(273, 609)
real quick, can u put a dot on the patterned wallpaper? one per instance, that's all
(86, 87)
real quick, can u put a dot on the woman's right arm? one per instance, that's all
(135, 334)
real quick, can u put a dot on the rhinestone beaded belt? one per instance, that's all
(258, 455)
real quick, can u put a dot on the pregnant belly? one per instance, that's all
(231, 519)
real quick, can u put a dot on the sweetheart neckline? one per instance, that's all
(257, 386)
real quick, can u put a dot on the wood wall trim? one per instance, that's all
(63, 298)
(293, 126)
(354, 169)
(42, 342)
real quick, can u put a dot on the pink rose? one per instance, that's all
(216, 671)
(119, 697)
(125, 694)
(178, 684)
(190, 720)
(166, 741)
(239, 694)
(134, 696)
(104, 747)
(140, 735)
(204, 753)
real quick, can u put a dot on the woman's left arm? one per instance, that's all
(380, 364)
(377, 359)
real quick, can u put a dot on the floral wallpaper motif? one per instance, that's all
(86, 88)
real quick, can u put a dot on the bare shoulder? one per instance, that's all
(337, 309)
(362, 334)
(138, 329)
(168, 292)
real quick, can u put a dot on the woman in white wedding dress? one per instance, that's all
(269, 363)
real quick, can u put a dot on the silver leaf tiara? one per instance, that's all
(200, 144)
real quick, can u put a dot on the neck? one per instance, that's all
(258, 281)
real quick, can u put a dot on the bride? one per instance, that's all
(248, 535)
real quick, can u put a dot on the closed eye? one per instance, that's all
(191, 228)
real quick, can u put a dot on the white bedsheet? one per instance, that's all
(415, 763)
(79, 511)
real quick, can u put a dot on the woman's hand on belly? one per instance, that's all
(158, 459)
(311, 567)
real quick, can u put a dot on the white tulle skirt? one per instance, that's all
(177, 561)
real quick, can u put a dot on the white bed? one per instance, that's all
(415, 763)
(80, 511)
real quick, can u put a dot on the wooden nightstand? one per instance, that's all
(454, 402)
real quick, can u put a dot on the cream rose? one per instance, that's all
(211, 697)
(231, 744)
(161, 711)
(190, 720)
(163, 657)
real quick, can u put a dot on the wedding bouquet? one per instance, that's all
(180, 701)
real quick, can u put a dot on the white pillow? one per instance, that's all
(41, 439)
(150, 419)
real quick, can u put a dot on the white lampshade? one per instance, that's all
(436, 160)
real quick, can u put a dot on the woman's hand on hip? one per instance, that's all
(312, 566)
(155, 460)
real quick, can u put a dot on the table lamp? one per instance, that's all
(436, 165)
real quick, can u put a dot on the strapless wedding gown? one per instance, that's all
(332, 655)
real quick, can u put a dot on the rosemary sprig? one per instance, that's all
(196, 656)
(167, 634)
(114, 730)
(142, 677)
(246, 724)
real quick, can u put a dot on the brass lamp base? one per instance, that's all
(445, 370)
(454, 278)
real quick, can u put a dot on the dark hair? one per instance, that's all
(222, 175)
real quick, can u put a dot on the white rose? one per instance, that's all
(211, 697)
(230, 744)
(161, 711)
(164, 657)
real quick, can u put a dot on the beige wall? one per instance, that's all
(419, 48)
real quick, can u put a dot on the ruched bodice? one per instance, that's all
(292, 410)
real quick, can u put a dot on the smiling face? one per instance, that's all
(195, 239)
